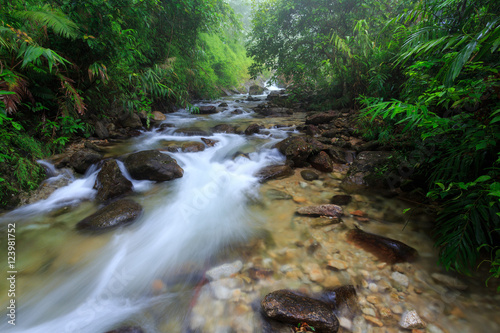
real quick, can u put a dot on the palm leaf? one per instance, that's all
(52, 18)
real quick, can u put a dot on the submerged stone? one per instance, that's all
(309, 175)
(385, 249)
(274, 172)
(321, 210)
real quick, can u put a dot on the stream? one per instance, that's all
(218, 215)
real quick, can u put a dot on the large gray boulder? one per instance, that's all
(117, 213)
(153, 165)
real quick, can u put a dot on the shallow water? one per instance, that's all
(150, 273)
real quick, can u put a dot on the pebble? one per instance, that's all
(374, 321)
(385, 313)
(223, 271)
(315, 273)
(299, 199)
(338, 264)
(331, 281)
(373, 299)
(400, 279)
(345, 323)
(369, 312)
(397, 309)
(411, 320)
(303, 184)
(372, 287)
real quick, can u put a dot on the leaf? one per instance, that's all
(482, 179)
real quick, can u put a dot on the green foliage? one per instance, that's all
(449, 103)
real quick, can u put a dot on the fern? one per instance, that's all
(52, 18)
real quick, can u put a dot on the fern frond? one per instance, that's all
(52, 18)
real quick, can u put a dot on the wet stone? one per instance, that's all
(292, 308)
(309, 175)
(117, 213)
(274, 172)
(400, 279)
(321, 210)
(277, 195)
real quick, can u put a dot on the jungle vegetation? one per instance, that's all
(64, 62)
(424, 73)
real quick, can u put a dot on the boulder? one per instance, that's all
(274, 172)
(152, 165)
(321, 162)
(337, 154)
(322, 118)
(158, 116)
(100, 130)
(253, 128)
(130, 120)
(82, 159)
(309, 175)
(385, 249)
(117, 213)
(292, 308)
(110, 182)
(256, 90)
(223, 105)
(192, 147)
(207, 109)
(321, 210)
(362, 170)
(298, 148)
(225, 128)
(192, 131)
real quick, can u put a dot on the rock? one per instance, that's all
(449, 281)
(321, 210)
(158, 116)
(192, 147)
(110, 182)
(374, 320)
(225, 128)
(298, 149)
(322, 118)
(152, 165)
(410, 320)
(362, 169)
(192, 131)
(253, 128)
(341, 199)
(223, 105)
(117, 213)
(400, 279)
(321, 162)
(83, 159)
(237, 111)
(100, 130)
(274, 172)
(309, 175)
(337, 154)
(209, 142)
(291, 308)
(315, 273)
(127, 329)
(342, 299)
(385, 249)
(278, 195)
(207, 109)
(273, 94)
(256, 90)
(338, 264)
(130, 120)
(224, 271)
(223, 289)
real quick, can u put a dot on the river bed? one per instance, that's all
(152, 273)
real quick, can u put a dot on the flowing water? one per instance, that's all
(151, 272)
